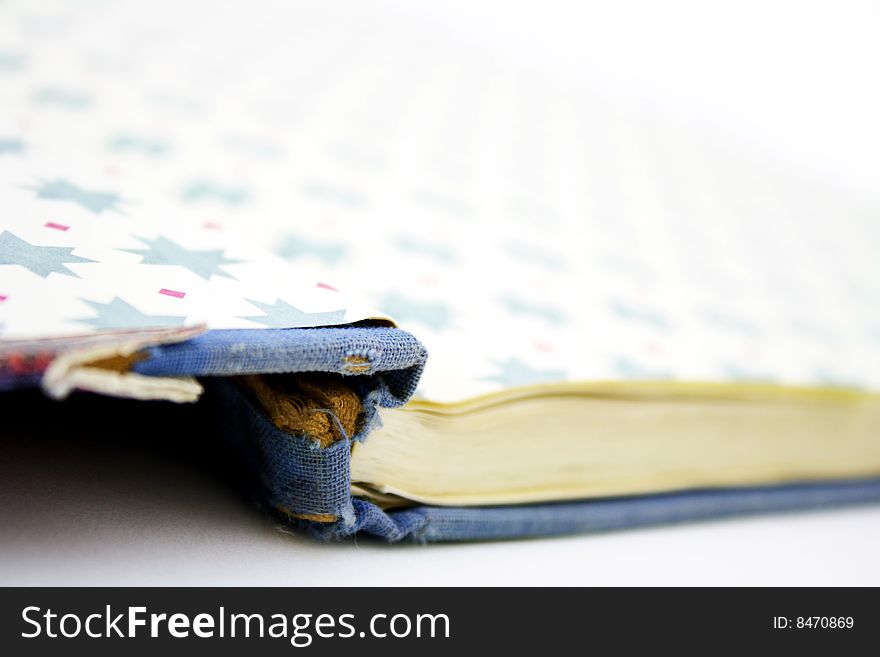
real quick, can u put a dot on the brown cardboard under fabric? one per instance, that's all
(319, 406)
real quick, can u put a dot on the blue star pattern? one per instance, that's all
(41, 260)
(637, 314)
(93, 201)
(67, 99)
(118, 314)
(438, 252)
(833, 380)
(726, 322)
(517, 306)
(11, 146)
(535, 255)
(295, 246)
(264, 150)
(529, 211)
(203, 190)
(334, 193)
(11, 61)
(434, 314)
(445, 204)
(631, 369)
(162, 251)
(736, 372)
(513, 372)
(283, 315)
(127, 143)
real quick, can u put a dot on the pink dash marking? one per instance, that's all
(3, 298)
(172, 293)
(544, 346)
(212, 225)
(654, 348)
(54, 226)
(324, 286)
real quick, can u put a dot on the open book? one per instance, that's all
(629, 320)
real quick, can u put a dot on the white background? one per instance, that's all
(796, 78)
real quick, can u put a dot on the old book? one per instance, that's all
(630, 319)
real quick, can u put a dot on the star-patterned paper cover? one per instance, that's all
(73, 262)
(525, 229)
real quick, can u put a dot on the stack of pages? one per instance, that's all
(629, 320)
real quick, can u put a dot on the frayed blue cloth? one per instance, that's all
(394, 355)
(296, 475)
(436, 524)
